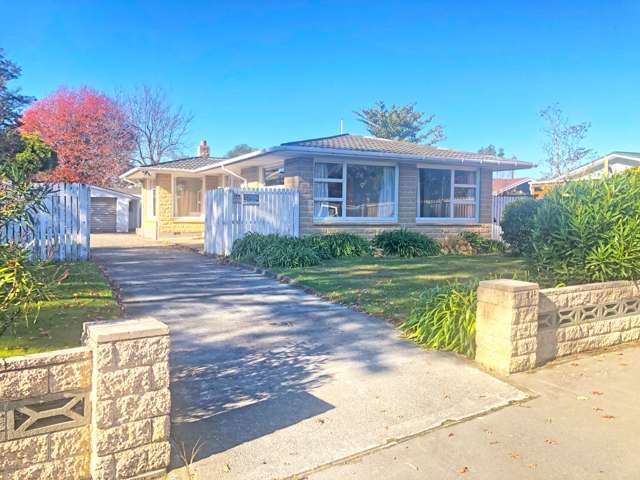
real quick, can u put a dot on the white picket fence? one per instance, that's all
(61, 232)
(497, 210)
(231, 213)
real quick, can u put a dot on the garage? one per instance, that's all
(103, 214)
(114, 210)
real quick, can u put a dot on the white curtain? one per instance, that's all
(386, 198)
(321, 190)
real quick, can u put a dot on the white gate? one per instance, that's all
(61, 232)
(499, 202)
(231, 213)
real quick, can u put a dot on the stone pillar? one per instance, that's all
(130, 399)
(507, 325)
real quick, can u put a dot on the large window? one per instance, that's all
(188, 197)
(354, 191)
(448, 194)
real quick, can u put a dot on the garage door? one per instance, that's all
(103, 214)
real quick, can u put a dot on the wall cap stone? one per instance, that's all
(103, 332)
(55, 357)
(509, 285)
(589, 287)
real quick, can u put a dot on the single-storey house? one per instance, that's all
(346, 183)
(511, 187)
(610, 164)
(114, 209)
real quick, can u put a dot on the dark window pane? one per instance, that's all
(464, 193)
(328, 170)
(464, 177)
(327, 190)
(370, 191)
(435, 193)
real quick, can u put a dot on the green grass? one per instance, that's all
(387, 286)
(85, 295)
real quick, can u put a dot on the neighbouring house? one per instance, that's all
(346, 183)
(610, 164)
(114, 209)
(508, 187)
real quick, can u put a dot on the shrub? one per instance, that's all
(338, 245)
(456, 245)
(444, 318)
(589, 230)
(270, 251)
(404, 243)
(517, 224)
(479, 244)
(287, 252)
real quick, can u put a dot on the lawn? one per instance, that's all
(386, 286)
(85, 295)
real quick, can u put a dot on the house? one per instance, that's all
(346, 183)
(509, 187)
(610, 164)
(114, 209)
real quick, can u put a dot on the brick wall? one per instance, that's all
(299, 174)
(99, 411)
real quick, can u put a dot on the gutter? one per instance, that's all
(234, 174)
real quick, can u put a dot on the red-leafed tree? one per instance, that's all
(88, 131)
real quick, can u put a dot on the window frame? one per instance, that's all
(262, 179)
(151, 201)
(174, 198)
(344, 219)
(451, 218)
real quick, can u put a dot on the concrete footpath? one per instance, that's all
(272, 381)
(583, 424)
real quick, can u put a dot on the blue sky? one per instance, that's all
(268, 72)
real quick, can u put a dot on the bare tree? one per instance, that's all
(563, 142)
(159, 126)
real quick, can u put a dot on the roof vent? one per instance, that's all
(203, 149)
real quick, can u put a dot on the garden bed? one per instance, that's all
(387, 286)
(85, 295)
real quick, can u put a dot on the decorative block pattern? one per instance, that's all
(44, 415)
(95, 412)
(519, 327)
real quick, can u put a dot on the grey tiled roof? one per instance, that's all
(373, 144)
(189, 163)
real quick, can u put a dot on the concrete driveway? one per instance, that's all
(276, 382)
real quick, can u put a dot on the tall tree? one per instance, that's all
(563, 141)
(400, 123)
(12, 102)
(240, 149)
(89, 132)
(159, 126)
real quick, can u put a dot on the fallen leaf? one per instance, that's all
(532, 465)
(596, 392)
(463, 470)
(494, 442)
(550, 441)
(597, 409)
(582, 397)
(226, 468)
(514, 455)
(451, 434)
(575, 364)
(608, 417)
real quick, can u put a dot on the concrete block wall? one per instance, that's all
(519, 326)
(100, 411)
(31, 446)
